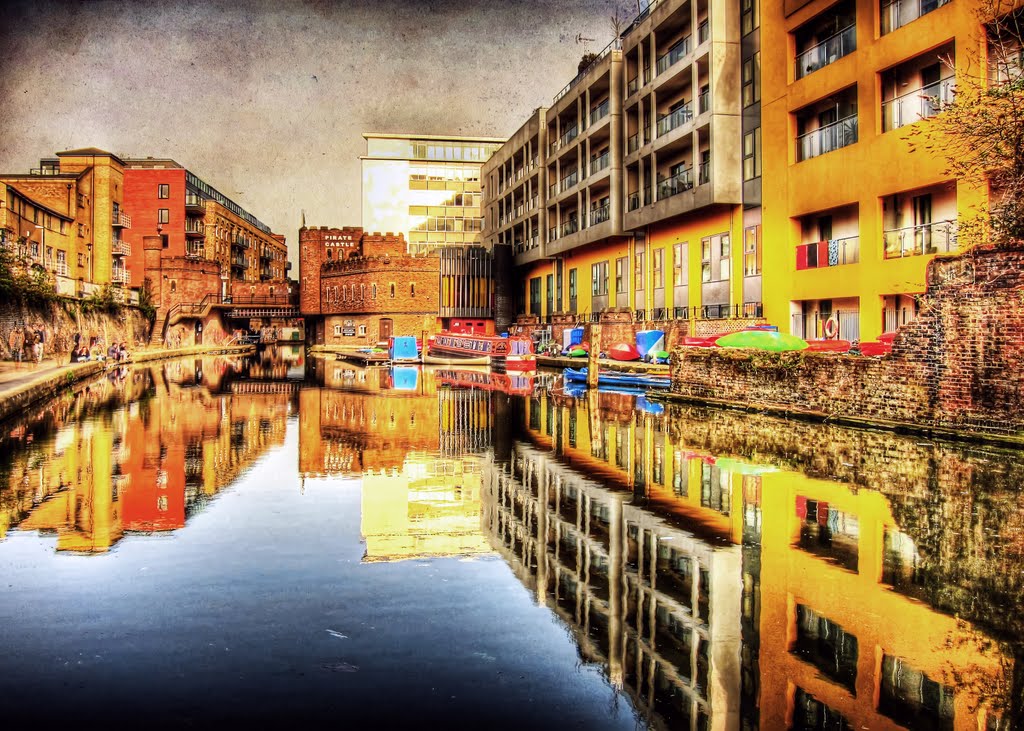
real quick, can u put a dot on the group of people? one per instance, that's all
(117, 352)
(27, 344)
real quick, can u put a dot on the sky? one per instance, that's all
(267, 100)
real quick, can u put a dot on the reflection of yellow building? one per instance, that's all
(429, 507)
(831, 623)
(123, 460)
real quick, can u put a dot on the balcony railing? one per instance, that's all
(678, 183)
(599, 214)
(704, 101)
(704, 173)
(568, 136)
(120, 248)
(552, 189)
(195, 250)
(570, 227)
(833, 253)
(703, 32)
(237, 260)
(119, 275)
(553, 233)
(633, 143)
(193, 201)
(898, 13)
(194, 226)
(121, 219)
(599, 163)
(635, 201)
(675, 119)
(599, 112)
(920, 240)
(916, 105)
(675, 53)
(569, 181)
(826, 139)
(632, 85)
(828, 51)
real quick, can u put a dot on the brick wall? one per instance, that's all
(959, 365)
(317, 246)
(60, 321)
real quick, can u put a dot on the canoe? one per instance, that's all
(828, 346)
(775, 342)
(623, 351)
(614, 378)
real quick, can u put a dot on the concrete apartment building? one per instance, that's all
(627, 192)
(67, 217)
(198, 222)
(425, 187)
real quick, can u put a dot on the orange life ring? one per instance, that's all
(831, 327)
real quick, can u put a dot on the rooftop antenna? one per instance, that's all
(581, 39)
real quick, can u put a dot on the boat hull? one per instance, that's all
(623, 380)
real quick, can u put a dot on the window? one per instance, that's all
(752, 251)
(337, 329)
(638, 267)
(658, 268)
(572, 287)
(705, 260)
(174, 286)
(81, 229)
(620, 274)
(599, 281)
(752, 80)
(81, 260)
(392, 290)
(373, 291)
(752, 154)
(163, 190)
(750, 15)
(163, 215)
(362, 329)
(725, 260)
(362, 292)
(679, 264)
(412, 289)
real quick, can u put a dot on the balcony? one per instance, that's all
(599, 163)
(240, 241)
(898, 13)
(633, 143)
(704, 101)
(704, 173)
(673, 56)
(675, 119)
(568, 136)
(195, 250)
(599, 112)
(194, 203)
(916, 105)
(569, 227)
(635, 201)
(194, 227)
(920, 240)
(119, 275)
(569, 181)
(600, 214)
(553, 233)
(703, 32)
(632, 86)
(674, 185)
(239, 260)
(120, 219)
(836, 252)
(120, 248)
(552, 190)
(827, 138)
(828, 51)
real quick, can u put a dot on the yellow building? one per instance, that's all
(852, 215)
(66, 216)
(424, 186)
(627, 192)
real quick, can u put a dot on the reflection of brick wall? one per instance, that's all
(958, 365)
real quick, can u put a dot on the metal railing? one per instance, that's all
(600, 112)
(633, 143)
(699, 312)
(597, 59)
(568, 136)
(917, 105)
(704, 101)
(238, 260)
(193, 201)
(570, 227)
(120, 247)
(632, 85)
(923, 239)
(675, 53)
(831, 49)
(569, 181)
(120, 218)
(635, 201)
(826, 139)
(599, 214)
(678, 183)
(119, 275)
(599, 163)
(831, 253)
(898, 13)
(195, 250)
(674, 119)
(704, 173)
(812, 326)
(194, 226)
(703, 32)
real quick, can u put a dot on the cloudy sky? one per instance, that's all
(267, 99)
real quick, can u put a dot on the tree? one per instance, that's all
(980, 131)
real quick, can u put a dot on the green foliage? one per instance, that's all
(146, 304)
(109, 299)
(21, 282)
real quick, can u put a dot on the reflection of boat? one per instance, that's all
(514, 353)
(614, 378)
(459, 361)
(514, 383)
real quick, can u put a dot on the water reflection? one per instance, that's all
(720, 571)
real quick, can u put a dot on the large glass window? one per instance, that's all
(658, 268)
(752, 251)
(752, 80)
(599, 272)
(752, 154)
(750, 15)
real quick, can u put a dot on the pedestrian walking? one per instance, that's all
(16, 341)
(38, 345)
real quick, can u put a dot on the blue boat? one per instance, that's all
(615, 378)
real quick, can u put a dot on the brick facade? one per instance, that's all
(957, 366)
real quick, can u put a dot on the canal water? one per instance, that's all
(272, 541)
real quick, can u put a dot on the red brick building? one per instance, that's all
(360, 289)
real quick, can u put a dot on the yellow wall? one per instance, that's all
(863, 173)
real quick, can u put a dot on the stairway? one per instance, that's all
(157, 336)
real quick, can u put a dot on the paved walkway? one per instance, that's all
(14, 375)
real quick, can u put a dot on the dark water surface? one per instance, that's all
(272, 542)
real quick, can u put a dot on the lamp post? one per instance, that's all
(89, 248)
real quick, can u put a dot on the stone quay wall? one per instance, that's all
(61, 320)
(959, 367)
